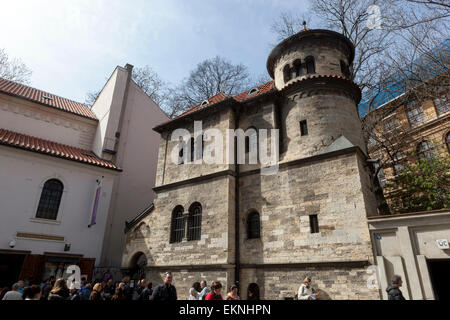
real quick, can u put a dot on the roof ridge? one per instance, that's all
(58, 96)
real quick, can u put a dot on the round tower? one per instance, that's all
(311, 69)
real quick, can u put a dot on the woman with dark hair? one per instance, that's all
(118, 294)
(216, 292)
(233, 294)
(59, 291)
(253, 292)
(32, 292)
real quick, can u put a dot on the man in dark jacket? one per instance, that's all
(165, 291)
(393, 290)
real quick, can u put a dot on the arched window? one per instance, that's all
(287, 73)
(181, 152)
(253, 225)
(298, 68)
(425, 150)
(50, 199)
(192, 142)
(177, 225)
(310, 67)
(194, 222)
(447, 141)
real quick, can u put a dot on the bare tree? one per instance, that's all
(288, 24)
(13, 69)
(211, 77)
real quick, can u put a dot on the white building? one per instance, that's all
(54, 155)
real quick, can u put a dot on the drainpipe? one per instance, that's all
(236, 204)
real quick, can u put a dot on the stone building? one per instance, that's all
(413, 125)
(233, 222)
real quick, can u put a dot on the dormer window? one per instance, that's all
(204, 103)
(253, 91)
(47, 97)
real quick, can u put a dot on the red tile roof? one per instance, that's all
(42, 97)
(264, 88)
(213, 100)
(55, 149)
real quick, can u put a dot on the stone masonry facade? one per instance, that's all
(322, 173)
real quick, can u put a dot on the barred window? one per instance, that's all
(253, 225)
(441, 105)
(177, 225)
(195, 222)
(425, 150)
(415, 114)
(50, 199)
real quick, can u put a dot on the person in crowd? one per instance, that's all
(21, 286)
(193, 294)
(109, 290)
(59, 291)
(141, 284)
(47, 288)
(32, 292)
(14, 294)
(118, 294)
(394, 292)
(74, 293)
(165, 291)
(86, 293)
(128, 290)
(215, 294)
(253, 292)
(205, 290)
(306, 291)
(197, 286)
(233, 294)
(96, 292)
(3, 291)
(147, 293)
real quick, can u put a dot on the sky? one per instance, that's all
(73, 46)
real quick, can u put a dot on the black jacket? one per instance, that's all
(164, 292)
(394, 293)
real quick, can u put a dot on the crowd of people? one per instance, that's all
(52, 289)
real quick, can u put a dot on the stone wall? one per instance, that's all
(329, 188)
(217, 240)
(331, 282)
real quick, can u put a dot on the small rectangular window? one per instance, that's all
(314, 223)
(303, 128)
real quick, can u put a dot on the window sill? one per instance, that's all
(46, 221)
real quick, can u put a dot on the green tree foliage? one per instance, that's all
(422, 186)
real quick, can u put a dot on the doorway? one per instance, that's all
(10, 268)
(440, 278)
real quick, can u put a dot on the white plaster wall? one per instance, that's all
(44, 122)
(22, 175)
(137, 156)
(107, 109)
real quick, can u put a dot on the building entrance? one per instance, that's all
(440, 278)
